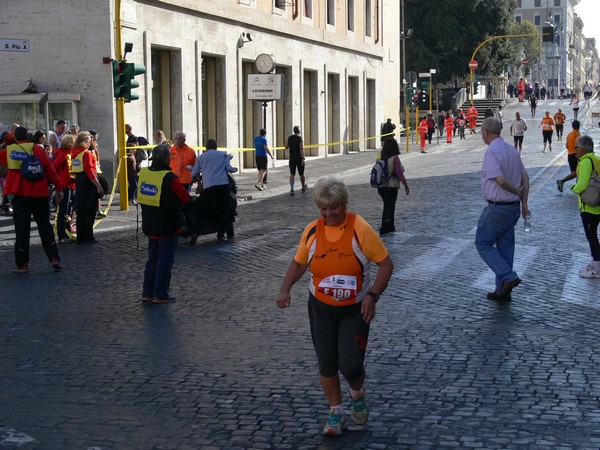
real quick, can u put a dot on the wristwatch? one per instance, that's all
(374, 296)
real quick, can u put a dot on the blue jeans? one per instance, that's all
(157, 274)
(495, 240)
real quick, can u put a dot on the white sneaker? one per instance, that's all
(589, 271)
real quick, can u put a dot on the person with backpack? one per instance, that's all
(340, 249)
(29, 172)
(389, 192)
(590, 215)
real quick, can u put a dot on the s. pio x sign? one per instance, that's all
(14, 45)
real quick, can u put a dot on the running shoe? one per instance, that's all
(336, 424)
(589, 271)
(360, 410)
(292, 193)
(559, 185)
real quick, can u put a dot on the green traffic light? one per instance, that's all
(123, 79)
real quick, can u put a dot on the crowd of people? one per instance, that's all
(339, 248)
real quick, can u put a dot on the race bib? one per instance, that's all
(339, 287)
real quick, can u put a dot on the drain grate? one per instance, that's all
(12, 386)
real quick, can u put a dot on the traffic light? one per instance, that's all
(410, 92)
(123, 79)
(548, 34)
(475, 87)
(119, 78)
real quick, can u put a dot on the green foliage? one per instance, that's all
(446, 33)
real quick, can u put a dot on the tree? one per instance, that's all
(445, 34)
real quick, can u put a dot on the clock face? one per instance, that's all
(264, 63)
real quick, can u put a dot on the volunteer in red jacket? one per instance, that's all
(423, 133)
(449, 124)
(87, 187)
(30, 199)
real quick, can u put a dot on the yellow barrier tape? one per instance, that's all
(251, 149)
(112, 195)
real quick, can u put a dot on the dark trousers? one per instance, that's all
(590, 226)
(389, 196)
(64, 209)
(217, 198)
(85, 225)
(23, 209)
(157, 274)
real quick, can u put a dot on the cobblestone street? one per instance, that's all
(86, 365)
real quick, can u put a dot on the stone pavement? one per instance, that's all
(86, 365)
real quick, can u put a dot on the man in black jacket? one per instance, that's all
(161, 195)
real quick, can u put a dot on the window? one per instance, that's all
(307, 9)
(537, 3)
(330, 12)
(518, 19)
(519, 4)
(556, 2)
(350, 13)
(537, 19)
(368, 14)
(557, 20)
(280, 4)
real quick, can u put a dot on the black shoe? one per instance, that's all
(508, 286)
(495, 296)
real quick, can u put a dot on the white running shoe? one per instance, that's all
(589, 271)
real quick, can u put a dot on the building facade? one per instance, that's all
(337, 60)
(571, 59)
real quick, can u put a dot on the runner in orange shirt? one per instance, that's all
(559, 120)
(571, 157)
(547, 126)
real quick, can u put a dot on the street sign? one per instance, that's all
(265, 86)
(438, 93)
(473, 64)
(424, 75)
(411, 77)
(525, 61)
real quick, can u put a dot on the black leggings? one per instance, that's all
(339, 336)
(590, 226)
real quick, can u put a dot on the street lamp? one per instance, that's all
(402, 48)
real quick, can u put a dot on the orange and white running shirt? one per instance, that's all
(547, 123)
(339, 259)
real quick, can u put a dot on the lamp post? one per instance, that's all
(402, 59)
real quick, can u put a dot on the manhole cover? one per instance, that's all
(12, 386)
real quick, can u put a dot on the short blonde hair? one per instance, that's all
(330, 191)
(67, 142)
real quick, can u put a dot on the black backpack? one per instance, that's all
(31, 168)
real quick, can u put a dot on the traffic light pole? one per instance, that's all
(123, 184)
